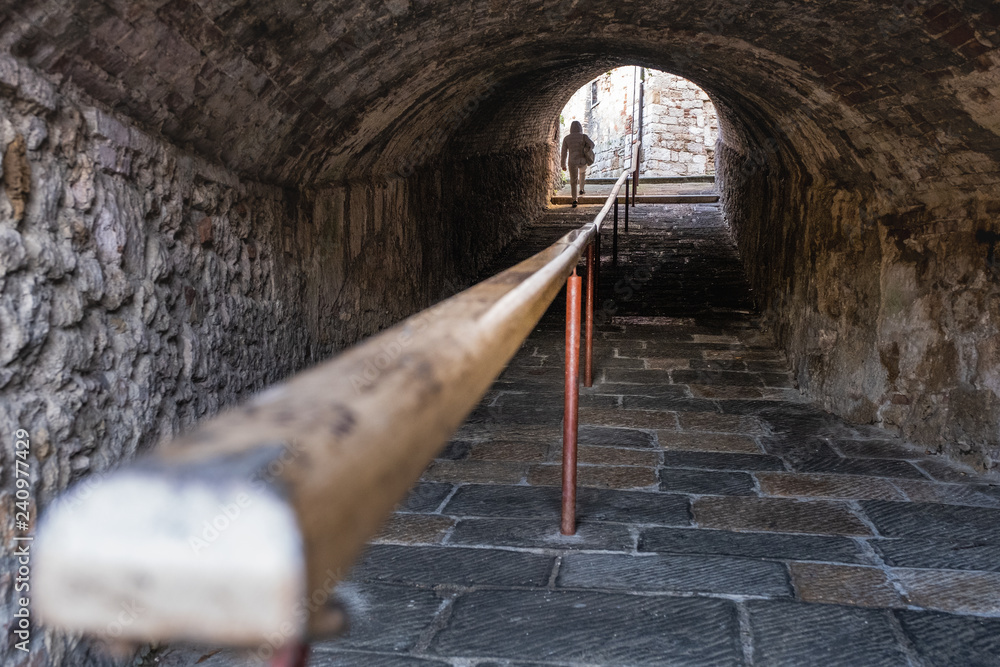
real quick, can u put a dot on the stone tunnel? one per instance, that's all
(202, 197)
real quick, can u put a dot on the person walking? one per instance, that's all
(579, 150)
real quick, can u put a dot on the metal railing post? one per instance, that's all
(597, 261)
(588, 355)
(293, 654)
(614, 240)
(571, 405)
(626, 205)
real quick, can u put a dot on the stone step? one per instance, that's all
(657, 180)
(642, 199)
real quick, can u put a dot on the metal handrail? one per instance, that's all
(235, 533)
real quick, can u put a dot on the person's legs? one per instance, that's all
(573, 176)
(583, 178)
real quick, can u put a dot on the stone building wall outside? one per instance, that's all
(679, 123)
(143, 288)
(680, 128)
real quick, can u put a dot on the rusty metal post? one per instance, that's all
(588, 355)
(597, 261)
(571, 405)
(626, 206)
(294, 654)
(638, 149)
(614, 241)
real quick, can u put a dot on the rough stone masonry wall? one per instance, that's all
(142, 288)
(679, 128)
(888, 304)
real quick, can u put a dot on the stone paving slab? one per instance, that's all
(727, 378)
(958, 592)
(795, 634)
(626, 389)
(721, 461)
(721, 423)
(945, 639)
(495, 472)
(707, 482)
(943, 471)
(872, 467)
(947, 494)
(939, 555)
(635, 419)
(752, 545)
(679, 574)
(426, 497)
(387, 617)
(415, 529)
(596, 476)
(709, 442)
(503, 501)
(842, 584)
(460, 567)
(679, 405)
(827, 486)
(778, 515)
(881, 449)
(455, 450)
(728, 392)
(541, 533)
(991, 489)
(593, 628)
(323, 657)
(527, 452)
(934, 522)
(800, 450)
(614, 437)
(593, 504)
(613, 456)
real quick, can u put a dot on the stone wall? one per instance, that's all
(140, 290)
(679, 128)
(143, 288)
(679, 123)
(888, 304)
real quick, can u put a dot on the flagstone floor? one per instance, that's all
(723, 518)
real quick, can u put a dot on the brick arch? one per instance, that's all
(298, 94)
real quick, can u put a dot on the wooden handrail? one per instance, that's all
(235, 533)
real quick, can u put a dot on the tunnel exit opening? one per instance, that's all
(674, 120)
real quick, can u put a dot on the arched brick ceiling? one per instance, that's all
(298, 92)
